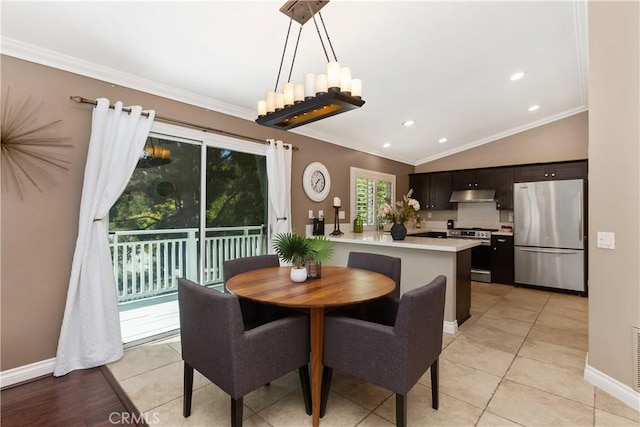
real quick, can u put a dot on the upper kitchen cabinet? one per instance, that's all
(504, 188)
(551, 171)
(474, 179)
(432, 190)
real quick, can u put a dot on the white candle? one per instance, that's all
(333, 75)
(298, 93)
(262, 108)
(345, 80)
(356, 87)
(279, 101)
(288, 94)
(271, 102)
(321, 84)
(309, 85)
(336, 202)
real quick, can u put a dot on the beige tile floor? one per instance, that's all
(518, 360)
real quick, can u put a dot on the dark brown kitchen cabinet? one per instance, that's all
(502, 260)
(551, 171)
(474, 179)
(504, 188)
(432, 190)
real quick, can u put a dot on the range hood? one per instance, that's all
(470, 196)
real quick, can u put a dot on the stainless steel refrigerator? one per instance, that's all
(549, 236)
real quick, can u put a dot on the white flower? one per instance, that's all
(414, 204)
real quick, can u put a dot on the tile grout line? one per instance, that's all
(513, 360)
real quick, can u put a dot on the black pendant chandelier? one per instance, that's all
(321, 95)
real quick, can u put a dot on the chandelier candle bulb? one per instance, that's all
(279, 101)
(321, 84)
(262, 108)
(298, 93)
(271, 102)
(345, 80)
(288, 94)
(356, 88)
(309, 85)
(333, 76)
(336, 202)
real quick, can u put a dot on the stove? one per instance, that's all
(476, 233)
(480, 255)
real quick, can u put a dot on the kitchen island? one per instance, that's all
(423, 258)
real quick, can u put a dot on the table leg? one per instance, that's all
(317, 342)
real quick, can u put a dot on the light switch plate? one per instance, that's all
(606, 240)
(320, 214)
(341, 215)
(310, 214)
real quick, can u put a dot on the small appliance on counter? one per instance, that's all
(318, 227)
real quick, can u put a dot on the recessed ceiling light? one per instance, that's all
(386, 145)
(408, 123)
(442, 140)
(534, 107)
(517, 76)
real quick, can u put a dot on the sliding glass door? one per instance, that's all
(156, 224)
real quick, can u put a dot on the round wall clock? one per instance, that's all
(316, 181)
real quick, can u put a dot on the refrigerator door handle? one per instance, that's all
(549, 251)
(580, 233)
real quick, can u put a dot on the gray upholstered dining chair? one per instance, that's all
(215, 343)
(383, 264)
(391, 356)
(253, 313)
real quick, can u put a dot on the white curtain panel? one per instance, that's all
(279, 173)
(90, 334)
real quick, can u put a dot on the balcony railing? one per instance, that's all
(148, 263)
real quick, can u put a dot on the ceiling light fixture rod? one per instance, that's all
(295, 51)
(286, 41)
(326, 55)
(335, 58)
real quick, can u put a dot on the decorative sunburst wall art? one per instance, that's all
(29, 149)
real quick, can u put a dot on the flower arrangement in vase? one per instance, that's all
(399, 214)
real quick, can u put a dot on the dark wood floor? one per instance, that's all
(90, 397)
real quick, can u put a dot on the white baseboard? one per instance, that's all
(450, 327)
(27, 372)
(615, 388)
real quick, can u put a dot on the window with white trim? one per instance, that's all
(370, 189)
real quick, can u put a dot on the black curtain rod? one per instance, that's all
(93, 102)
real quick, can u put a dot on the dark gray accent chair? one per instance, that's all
(215, 343)
(391, 356)
(253, 313)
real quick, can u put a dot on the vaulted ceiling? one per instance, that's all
(445, 65)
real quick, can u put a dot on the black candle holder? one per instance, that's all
(336, 224)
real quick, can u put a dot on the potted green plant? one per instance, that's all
(303, 252)
(322, 251)
(296, 249)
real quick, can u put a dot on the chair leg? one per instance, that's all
(236, 412)
(303, 372)
(434, 384)
(188, 390)
(401, 410)
(327, 374)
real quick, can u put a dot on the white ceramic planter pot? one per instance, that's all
(298, 274)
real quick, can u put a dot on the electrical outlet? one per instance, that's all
(606, 240)
(310, 214)
(428, 214)
(341, 215)
(510, 216)
(321, 214)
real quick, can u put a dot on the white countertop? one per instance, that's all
(382, 238)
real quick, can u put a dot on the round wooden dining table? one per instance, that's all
(336, 287)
